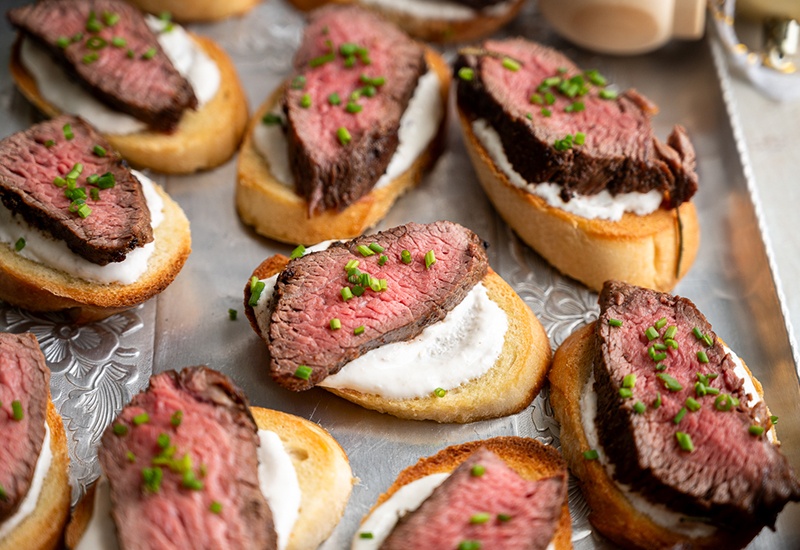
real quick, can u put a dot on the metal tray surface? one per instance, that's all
(98, 367)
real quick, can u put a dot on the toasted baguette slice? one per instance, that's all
(36, 287)
(531, 459)
(323, 472)
(203, 139)
(440, 29)
(276, 211)
(507, 388)
(197, 10)
(654, 251)
(611, 512)
(43, 528)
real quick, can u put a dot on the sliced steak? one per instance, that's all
(732, 477)
(308, 294)
(136, 78)
(479, 4)
(620, 153)
(330, 171)
(187, 442)
(24, 378)
(31, 161)
(522, 514)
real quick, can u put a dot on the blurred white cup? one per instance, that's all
(625, 26)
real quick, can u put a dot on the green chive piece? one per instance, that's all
(140, 419)
(466, 74)
(671, 331)
(723, 403)
(551, 81)
(702, 357)
(669, 382)
(661, 366)
(546, 112)
(366, 535)
(305, 101)
(353, 108)
(697, 333)
(297, 252)
(358, 290)
(629, 381)
(639, 407)
(580, 138)
(661, 323)
(607, 94)
(96, 43)
(336, 323)
(374, 81)
(94, 25)
(384, 284)
(405, 257)
(152, 478)
(256, 288)
(271, 119)
(20, 244)
(659, 356)
(343, 135)
(63, 41)
(679, 416)
(595, 78)
(383, 259)
(755, 430)
(191, 482)
(651, 333)
(130, 54)
(352, 264)
(358, 330)
(511, 64)
(575, 107)
(615, 322)
(120, 429)
(149, 54)
(162, 441)
(549, 98)
(348, 49)
(376, 247)
(49, 143)
(478, 470)
(365, 250)
(68, 132)
(334, 99)
(537, 99)
(657, 402)
(3, 494)
(440, 392)
(481, 517)
(215, 507)
(95, 193)
(591, 454)
(118, 42)
(503, 517)
(106, 181)
(298, 82)
(322, 59)
(658, 346)
(430, 259)
(232, 314)
(773, 419)
(707, 340)
(712, 391)
(130, 456)
(692, 404)
(99, 151)
(303, 372)
(684, 441)
(625, 393)
(671, 343)
(346, 293)
(700, 389)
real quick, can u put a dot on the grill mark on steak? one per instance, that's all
(534, 508)
(218, 431)
(24, 377)
(151, 90)
(328, 174)
(620, 154)
(308, 295)
(733, 478)
(120, 220)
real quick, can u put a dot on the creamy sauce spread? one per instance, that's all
(436, 9)
(277, 479)
(42, 248)
(461, 347)
(603, 205)
(69, 97)
(658, 513)
(28, 504)
(418, 127)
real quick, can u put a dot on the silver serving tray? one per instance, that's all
(98, 367)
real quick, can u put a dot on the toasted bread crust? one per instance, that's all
(612, 513)
(432, 30)
(531, 459)
(36, 287)
(203, 139)
(276, 211)
(508, 387)
(654, 251)
(42, 529)
(197, 10)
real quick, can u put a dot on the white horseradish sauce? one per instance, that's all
(277, 479)
(42, 248)
(603, 205)
(437, 9)
(657, 512)
(418, 127)
(69, 97)
(28, 504)
(461, 347)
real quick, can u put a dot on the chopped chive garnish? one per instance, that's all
(615, 322)
(352, 264)
(346, 293)
(176, 418)
(120, 429)
(334, 99)
(607, 94)
(322, 59)
(692, 404)
(191, 482)
(658, 346)
(63, 41)
(358, 330)
(707, 340)
(712, 391)
(93, 25)
(305, 101)
(661, 366)
(723, 402)
(595, 78)
(657, 402)
(353, 108)
(480, 517)
(68, 132)
(152, 478)
(465, 73)
(20, 244)
(130, 456)
(755, 430)
(348, 49)
(697, 333)
(298, 82)
(625, 393)
(376, 247)
(700, 389)
(503, 517)
(671, 331)
(511, 64)
(303, 372)
(702, 357)
(671, 343)
(358, 290)
(343, 135)
(661, 323)
(439, 392)
(335, 323)
(669, 382)
(140, 419)
(549, 98)
(478, 470)
(591, 454)
(49, 143)
(430, 259)
(271, 118)
(679, 416)
(773, 419)
(639, 407)
(84, 211)
(149, 54)
(232, 314)
(575, 107)
(99, 151)
(383, 259)
(162, 440)
(537, 99)
(684, 441)
(297, 252)
(651, 333)
(366, 535)
(96, 43)
(546, 112)
(551, 81)
(256, 288)
(365, 250)
(130, 54)
(580, 138)
(374, 81)
(215, 507)
(405, 257)
(660, 356)
(118, 42)
(629, 381)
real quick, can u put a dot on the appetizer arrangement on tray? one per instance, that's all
(665, 429)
